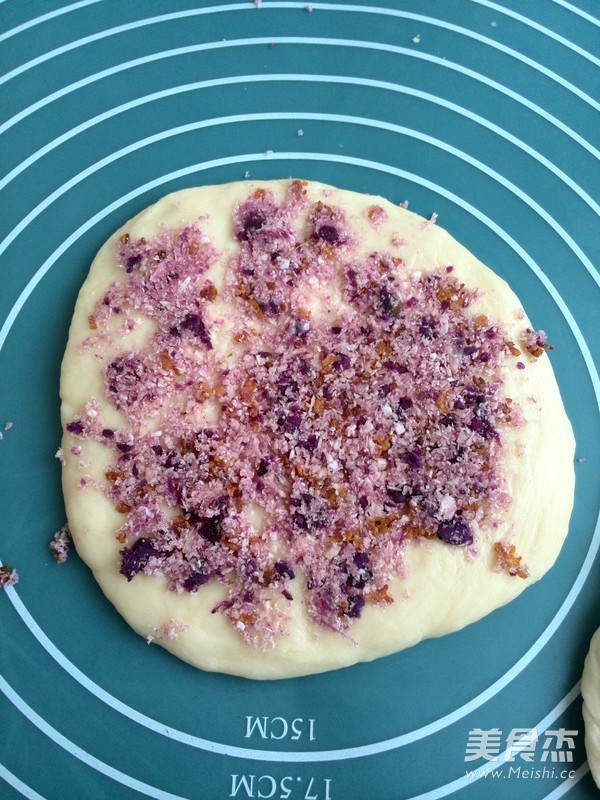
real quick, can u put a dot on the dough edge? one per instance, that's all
(590, 692)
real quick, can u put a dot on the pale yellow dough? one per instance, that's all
(590, 692)
(444, 589)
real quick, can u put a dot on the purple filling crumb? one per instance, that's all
(394, 367)
(399, 494)
(455, 532)
(195, 325)
(299, 520)
(311, 442)
(427, 328)
(328, 233)
(210, 528)
(132, 262)
(284, 569)
(263, 467)
(356, 603)
(483, 427)
(193, 582)
(76, 428)
(385, 304)
(292, 423)
(446, 420)
(135, 558)
(414, 459)
(253, 222)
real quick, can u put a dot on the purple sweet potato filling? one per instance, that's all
(135, 558)
(355, 435)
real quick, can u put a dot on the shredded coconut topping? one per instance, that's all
(170, 630)
(60, 544)
(8, 577)
(337, 442)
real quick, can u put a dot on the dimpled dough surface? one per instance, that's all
(440, 587)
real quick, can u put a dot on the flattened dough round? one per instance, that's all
(439, 587)
(590, 692)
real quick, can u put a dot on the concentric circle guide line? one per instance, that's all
(558, 792)
(151, 791)
(449, 26)
(66, 744)
(568, 784)
(247, 79)
(58, 12)
(363, 750)
(540, 28)
(387, 126)
(579, 11)
(351, 43)
(461, 783)
(18, 784)
(79, 753)
(420, 18)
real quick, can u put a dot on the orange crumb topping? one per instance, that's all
(509, 561)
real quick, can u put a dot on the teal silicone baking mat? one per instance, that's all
(484, 113)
